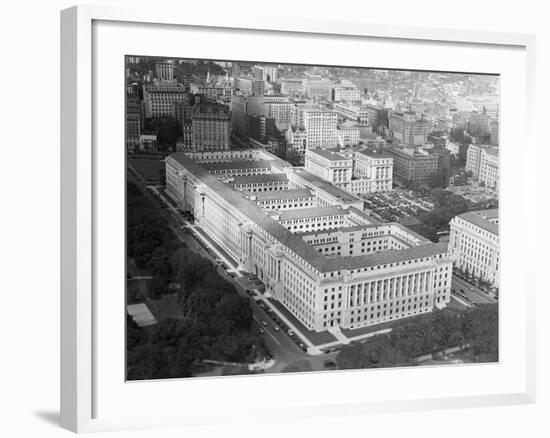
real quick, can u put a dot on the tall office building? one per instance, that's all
(265, 73)
(251, 87)
(483, 162)
(414, 165)
(133, 123)
(210, 127)
(320, 126)
(158, 98)
(239, 112)
(164, 71)
(408, 129)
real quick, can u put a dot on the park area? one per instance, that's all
(150, 169)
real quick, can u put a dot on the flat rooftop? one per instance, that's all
(329, 154)
(242, 164)
(280, 194)
(477, 218)
(304, 213)
(263, 178)
(374, 154)
(294, 242)
(320, 183)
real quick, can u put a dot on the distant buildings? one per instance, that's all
(483, 162)
(317, 88)
(265, 73)
(474, 244)
(413, 165)
(159, 97)
(354, 113)
(210, 127)
(148, 142)
(377, 116)
(133, 123)
(345, 91)
(239, 112)
(251, 87)
(408, 129)
(291, 86)
(348, 134)
(164, 71)
(478, 124)
(318, 126)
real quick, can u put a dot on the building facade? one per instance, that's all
(474, 244)
(164, 71)
(210, 127)
(159, 98)
(251, 87)
(357, 171)
(483, 162)
(414, 165)
(320, 126)
(407, 129)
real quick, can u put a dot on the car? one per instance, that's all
(290, 333)
(262, 331)
(264, 323)
(276, 328)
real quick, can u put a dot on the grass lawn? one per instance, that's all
(148, 168)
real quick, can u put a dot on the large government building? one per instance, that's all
(312, 245)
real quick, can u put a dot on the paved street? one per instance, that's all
(471, 293)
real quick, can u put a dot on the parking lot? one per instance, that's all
(392, 206)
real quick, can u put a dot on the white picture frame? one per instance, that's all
(79, 169)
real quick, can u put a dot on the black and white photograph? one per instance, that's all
(285, 218)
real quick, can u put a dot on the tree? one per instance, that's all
(134, 335)
(481, 332)
(293, 157)
(157, 287)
